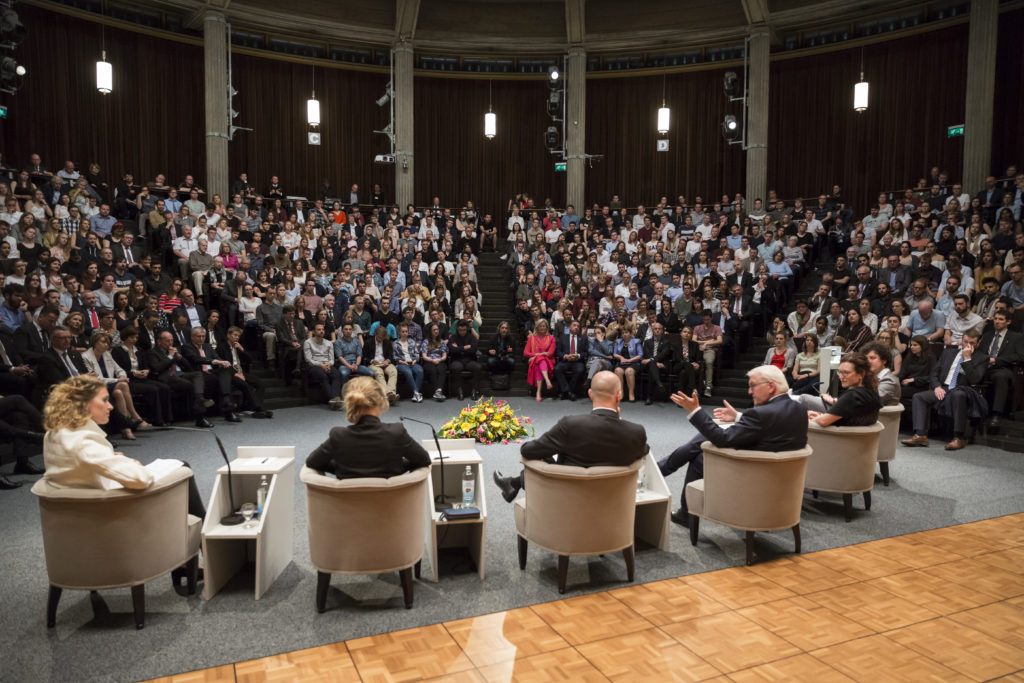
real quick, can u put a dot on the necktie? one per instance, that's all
(128, 256)
(44, 340)
(572, 345)
(93, 318)
(737, 309)
(103, 367)
(956, 371)
(71, 366)
(996, 342)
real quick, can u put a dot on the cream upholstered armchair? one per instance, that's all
(749, 490)
(577, 511)
(843, 462)
(889, 416)
(365, 526)
(96, 539)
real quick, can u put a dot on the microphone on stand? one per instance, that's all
(440, 457)
(233, 517)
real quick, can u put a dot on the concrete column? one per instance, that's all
(215, 74)
(757, 114)
(405, 188)
(981, 88)
(575, 126)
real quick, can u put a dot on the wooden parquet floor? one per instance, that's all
(946, 604)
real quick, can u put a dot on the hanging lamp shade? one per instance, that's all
(490, 124)
(104, 75)
(664, 114)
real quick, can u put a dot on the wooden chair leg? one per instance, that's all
(139, 605)
(405, 576)
(848, 505)
(627, 555)
(750, 547)
(563, 572)
(694, 526)
(867, 500)
(884, 467)
(323, 582)
(51, 606)
(522, 552)
(417, 568)
(796, 538)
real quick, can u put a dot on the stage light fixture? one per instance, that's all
(551, 138)
(104, 75)
(553, 73)
(730, 127)
(384, 99)
(730, 83)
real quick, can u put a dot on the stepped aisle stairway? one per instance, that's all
(493, 278)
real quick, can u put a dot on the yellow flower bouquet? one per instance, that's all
(488, 421)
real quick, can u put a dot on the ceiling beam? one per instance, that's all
(756, 11)
(406, 15)
(575, 25)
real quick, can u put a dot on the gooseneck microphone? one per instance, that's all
(233, 517)
(439, 503)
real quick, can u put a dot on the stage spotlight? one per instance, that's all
(551, 138)
(11, 28)
(730, 127)
(730, 83)
(384, 99)
(553, 73)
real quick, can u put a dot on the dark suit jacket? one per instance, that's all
(1010, 353)
(191, 354)
(27, 343)
(666, 352)
(778, 425)
(51, 371)
(904, 278)
(582, 348)
(598, 438)
(748, 308)
(144, 343)
(284, 336)
(200, 310)
(119, 252)
(121, 357)
(743, 278)
(160, 365)
(369, 448)
(370, 350)
(971, 371)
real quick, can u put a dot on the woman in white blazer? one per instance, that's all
(76, 451)
(102, 364)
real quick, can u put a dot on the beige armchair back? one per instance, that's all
(749, 490)
(577, 511)
(843, 461)
(889, 417)
(96, 539)
(365, 526)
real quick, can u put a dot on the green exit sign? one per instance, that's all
(955, 131)
(3, 111)
(560, 166)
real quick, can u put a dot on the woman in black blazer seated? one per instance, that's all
(369, 448)
(147, 389)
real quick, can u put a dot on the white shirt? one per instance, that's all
(185, 246)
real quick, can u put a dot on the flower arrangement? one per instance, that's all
(488, 421)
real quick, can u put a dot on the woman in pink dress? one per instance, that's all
(540, 350)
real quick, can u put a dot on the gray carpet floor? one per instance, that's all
(930, 488)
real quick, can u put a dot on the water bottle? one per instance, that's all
(468, 487)
(641, 480)
(261, 495)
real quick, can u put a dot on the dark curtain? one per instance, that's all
(816, 139)
(622, 125)
(152, 121)
(1007, 126)
(272, 101)
(455, 162)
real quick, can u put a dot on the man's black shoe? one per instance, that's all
(681, 517)
(231, 417)
(509, 491)
(572, 396)
(203, 423)
(6, 484)
(993, 422)
(26, 467)
(649, 401)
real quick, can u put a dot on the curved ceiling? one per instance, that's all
(511, 27)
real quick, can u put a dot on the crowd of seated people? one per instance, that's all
(172, 295)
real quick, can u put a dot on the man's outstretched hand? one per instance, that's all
(687, 403)
(726, 414)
